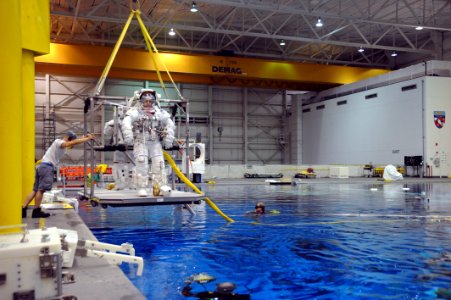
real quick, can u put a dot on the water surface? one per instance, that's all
(330, 241)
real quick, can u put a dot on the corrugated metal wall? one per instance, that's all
(238, 125)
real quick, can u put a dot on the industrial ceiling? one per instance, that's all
(412, 29)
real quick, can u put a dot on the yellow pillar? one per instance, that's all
(24, 30)
(28, 122)
(35, 24)
(10, 114)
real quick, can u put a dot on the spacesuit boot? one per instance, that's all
(158, 175)
(142, 193)
(141, 183)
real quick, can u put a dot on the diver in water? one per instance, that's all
(260, 210)
(224, 290)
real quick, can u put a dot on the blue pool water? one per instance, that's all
(330, 241)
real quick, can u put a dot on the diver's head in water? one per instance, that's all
(260, 208)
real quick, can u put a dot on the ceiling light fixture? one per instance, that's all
(171, 32)
(419, 27)
(361, 50)
(319, 23)
(194, 7)
(282, 43)
(393, 54)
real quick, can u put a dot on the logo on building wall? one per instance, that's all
(439, 119)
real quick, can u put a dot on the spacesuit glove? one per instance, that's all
(167, 144)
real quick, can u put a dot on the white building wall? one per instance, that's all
(438, 140)
(381, 130)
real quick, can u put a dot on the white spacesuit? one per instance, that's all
(121, 159)
(146, 126)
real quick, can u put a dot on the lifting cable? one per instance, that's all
(101, 82)
(135, 11)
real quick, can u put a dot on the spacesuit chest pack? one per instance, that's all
(148, 126)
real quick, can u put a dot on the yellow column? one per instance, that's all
(10, 114)
(28, 122)
(35, 24)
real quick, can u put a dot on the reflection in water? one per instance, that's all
(338, 241)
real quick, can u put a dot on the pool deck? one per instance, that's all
(96, 279)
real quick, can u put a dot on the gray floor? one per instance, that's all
(96, 279)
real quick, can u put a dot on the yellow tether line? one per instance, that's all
(149, 40)
(191, 185)
(102, 79)
(149, 43)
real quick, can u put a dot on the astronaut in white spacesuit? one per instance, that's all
(147, 127)
(122, 165)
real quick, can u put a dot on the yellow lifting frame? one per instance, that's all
(135, 11)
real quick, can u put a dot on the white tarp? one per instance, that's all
(391, 174)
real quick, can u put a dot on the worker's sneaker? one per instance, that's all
(37, 213)
(24, 212)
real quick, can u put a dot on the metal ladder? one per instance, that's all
(49, 128)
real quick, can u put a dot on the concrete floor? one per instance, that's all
(96, 279)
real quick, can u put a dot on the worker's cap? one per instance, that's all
(71, 135)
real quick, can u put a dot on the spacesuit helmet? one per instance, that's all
(148, 94)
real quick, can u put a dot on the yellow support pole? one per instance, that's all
(34, 23)
(10, 115)
(28, 122)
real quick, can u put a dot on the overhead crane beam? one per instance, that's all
(84, 60)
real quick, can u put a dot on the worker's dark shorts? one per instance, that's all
(43, 178)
